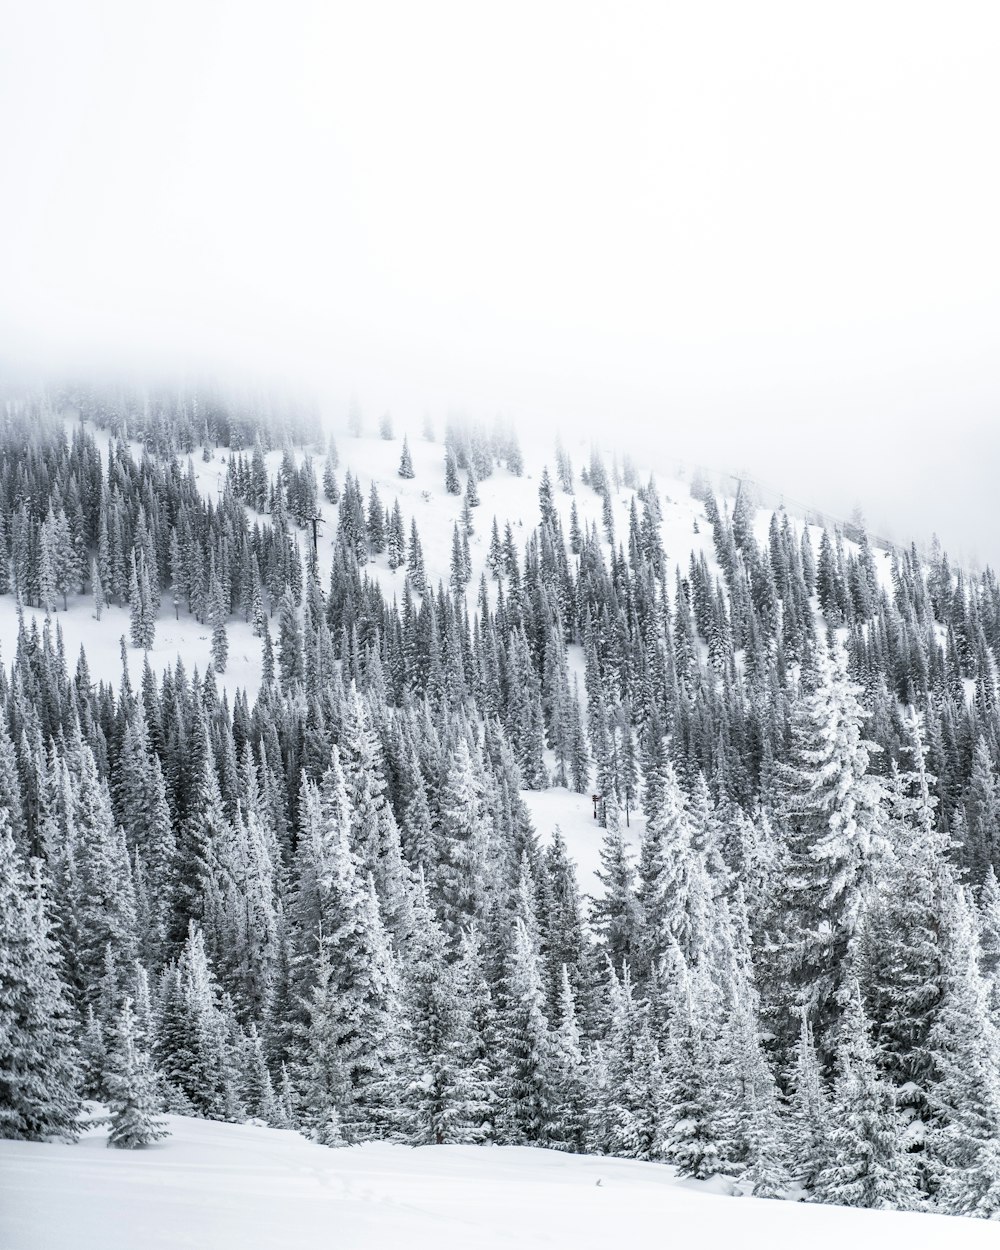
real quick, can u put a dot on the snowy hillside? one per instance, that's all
(510, 499)
(239, 1187)
(558, 799)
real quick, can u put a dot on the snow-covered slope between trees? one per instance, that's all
(216, 1186)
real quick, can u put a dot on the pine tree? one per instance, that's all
(671, 886)
(47, 584)
(459, 577)
(690, 1137)
(100, 599)
(764, 1140)
(633, 1089)
(568, 1074)
(443, 1095)
(259, 1093)
(451, 482)
(376, 839)
(463, 842)
(981, 850)
(290, 659)
(351, 1040)
(93, 1057)
(406, 461)
(195, 1045)
(322, 1076)
(100, 886)
(494, 558)
(137, 609)
(217, 617)
(901, 955)
(415, 570)
(38, 1073)
(375, 524)
(811, 1114)
(396, 538)
(835, 810)
(528, 1104)
(868, 1163)
(965, 1143)
(615, 913)
(133, 1097)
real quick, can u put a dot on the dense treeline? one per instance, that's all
(329, 909)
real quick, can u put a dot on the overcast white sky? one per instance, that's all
(763, 234)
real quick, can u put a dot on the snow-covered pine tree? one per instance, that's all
(406, 461)
(834, 810)
(415, 570)
(633, 1093)
(38, 1063)
(376, 839)
(528, 1101)
(194, 1045)
(615, 913)
(442, 1092)
(451, 482)
(868, 1163)
(900, 959)
(811, 1119)
(981, 847)
(690, 1138)
(569, 1083)
(322, 1078)
(964, 1144)
(132, 1089)
(462, 840)
(258, 1093)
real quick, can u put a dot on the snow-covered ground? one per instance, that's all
(183, 638)
(574, 816)
(230, 1187)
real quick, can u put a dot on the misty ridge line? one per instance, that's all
(279, 399)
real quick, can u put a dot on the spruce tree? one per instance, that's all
(195, 1050)
(965, 1045)
(133, 1096)
(568, 1074)
(690, 1136)
(868, 1164)
(811, 1119)
(406, 461)
(442, 1093)
(451, 482)
(528, 1105)
(38, 1072)
(217, 618)
(614, 913)
(835, 811)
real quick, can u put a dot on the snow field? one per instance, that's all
(214, 1186)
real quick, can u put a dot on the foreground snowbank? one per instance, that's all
(230, 1187)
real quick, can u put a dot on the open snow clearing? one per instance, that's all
(212, 1186)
